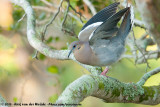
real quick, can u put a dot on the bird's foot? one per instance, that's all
(105, 72)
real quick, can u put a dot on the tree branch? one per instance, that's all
(80, 15)
(140, 50)
(147, 75)
(139, 23)
(42, 47)
(66, 14)
(51, 21)
(110, 90)
(52, 11)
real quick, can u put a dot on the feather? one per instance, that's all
(102, 15)
(110, 25)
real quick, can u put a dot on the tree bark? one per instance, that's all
(110, 90)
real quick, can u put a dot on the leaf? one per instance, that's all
(15, 99)
(53, 98)
(52, 69)
(57, 38)
(49, 40)
(42, 57)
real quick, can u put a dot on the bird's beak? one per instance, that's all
(70, 52)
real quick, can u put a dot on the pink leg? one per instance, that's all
(105, 72)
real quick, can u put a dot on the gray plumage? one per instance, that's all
(106, 43)
(97, 20)
(102, 15)
(108, 28)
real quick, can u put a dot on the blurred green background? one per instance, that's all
(24, 79)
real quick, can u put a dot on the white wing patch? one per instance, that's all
(85, 34)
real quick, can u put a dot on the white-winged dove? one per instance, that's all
(101, 42)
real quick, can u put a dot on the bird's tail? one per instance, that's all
(125, 26)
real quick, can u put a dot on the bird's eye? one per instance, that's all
(74, 46)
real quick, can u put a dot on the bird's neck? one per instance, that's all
(86, 55)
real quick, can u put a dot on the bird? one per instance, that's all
(101, 42)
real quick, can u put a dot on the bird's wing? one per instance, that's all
(97, 20)
(102, 15)
(125, 26)
(108, 28)
(84, 34)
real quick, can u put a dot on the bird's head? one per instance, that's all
(75, 46)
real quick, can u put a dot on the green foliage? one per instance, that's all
(53, 98)
(57, 39)
(52, 39)
(17, 14)
(49, 40)
(79, 3)
(42, 57)
(15, 99)
(52, 69)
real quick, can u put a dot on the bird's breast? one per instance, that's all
(86, 56)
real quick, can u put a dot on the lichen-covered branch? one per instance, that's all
(110, 90)
(31, 34)
(147, 75)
